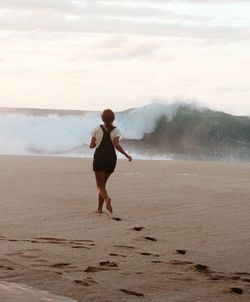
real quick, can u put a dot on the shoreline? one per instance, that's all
(184, 158)
(83, 157)
(52, 240)
(11, 292)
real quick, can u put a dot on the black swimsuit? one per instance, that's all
(105, 155)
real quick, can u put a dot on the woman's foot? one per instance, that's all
(108, 205)
(99, 211)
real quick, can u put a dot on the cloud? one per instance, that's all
(115, 47)
(146, 18)
(119, 47)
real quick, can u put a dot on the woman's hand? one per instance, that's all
(92, 143)
(129, 157)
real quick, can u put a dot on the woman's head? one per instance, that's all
(108, 116)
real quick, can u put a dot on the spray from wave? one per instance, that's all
(62, 134)
(157, 131)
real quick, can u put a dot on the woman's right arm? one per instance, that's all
(118, 147)
(93, 138)
(92, 143)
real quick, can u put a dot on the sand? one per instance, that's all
(51, 239)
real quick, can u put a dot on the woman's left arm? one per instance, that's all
(118, 147)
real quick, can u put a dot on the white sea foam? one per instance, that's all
(12, 292)
(65, 135)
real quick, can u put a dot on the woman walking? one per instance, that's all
(105, 138)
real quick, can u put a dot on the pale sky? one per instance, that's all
(95, 54)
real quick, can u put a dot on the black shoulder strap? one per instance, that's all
(103, 129)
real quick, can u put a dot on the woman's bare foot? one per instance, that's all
(99, 211)
(108, 205)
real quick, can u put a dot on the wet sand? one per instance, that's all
(51, 239)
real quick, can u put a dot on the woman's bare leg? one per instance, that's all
(100, 204)
(100, 198)
(108, 205)
(101, 179)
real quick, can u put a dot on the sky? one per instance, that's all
(95, 54)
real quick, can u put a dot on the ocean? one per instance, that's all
(154, 131)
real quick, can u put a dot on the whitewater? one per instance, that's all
(69, 135)
(155, 131)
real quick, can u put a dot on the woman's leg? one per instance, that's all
(101, 179)
(100, 198)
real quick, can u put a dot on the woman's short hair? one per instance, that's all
(108, 116)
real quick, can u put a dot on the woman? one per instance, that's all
(105, 138)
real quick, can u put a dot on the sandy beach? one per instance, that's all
(51, 238)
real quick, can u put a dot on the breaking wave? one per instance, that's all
(158, 131)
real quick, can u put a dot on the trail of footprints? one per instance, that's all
(84, 244)
(111, 265)
(199, 268)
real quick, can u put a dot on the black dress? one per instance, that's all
(105, 155)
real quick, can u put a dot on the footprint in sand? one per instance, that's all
(124, 246)
(51, 239)
(215, 278)
(117, 255)
(108, 264)
(235, 278)
(173, 262)
(8, 268)
(182, 252)
(94, 269)
(81, 282)
(131, 292)
(14, 254)
(242, 274)
(149, 254)
(82, 244)
(225, 278)
(54, 240)
(86, 282)
(150, 238)
(180, 262)
(60, 265)
(202, 268)
(85, 241)
(246, 280)
(138, 229)
(116, 218)
(237, 290)
(183, 279)
(103, 266)
(80, 247)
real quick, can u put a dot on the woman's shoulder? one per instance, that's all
(116, 132)
(99, 127)
(96, 130)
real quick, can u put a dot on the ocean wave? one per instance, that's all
(154, 131)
